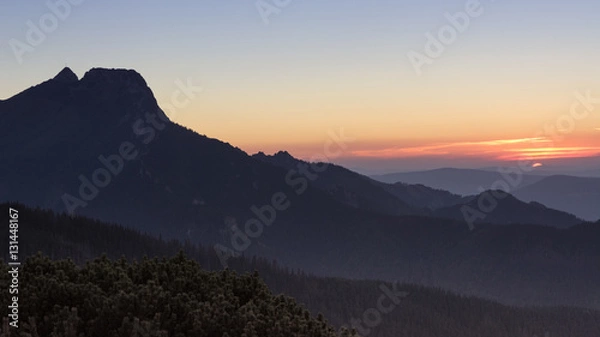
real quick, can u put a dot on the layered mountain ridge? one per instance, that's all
(102, 147)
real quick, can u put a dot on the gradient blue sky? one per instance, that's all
(325, 65)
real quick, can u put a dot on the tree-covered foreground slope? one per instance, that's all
(120, 294)
(173, 297)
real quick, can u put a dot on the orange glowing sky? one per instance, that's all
(504, 150)
(388, 125)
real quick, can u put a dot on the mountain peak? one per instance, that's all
(66, 76)
(280, 155)
(283, 154)
(281, 158)
(115, 76)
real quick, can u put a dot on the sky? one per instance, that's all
(415, 84)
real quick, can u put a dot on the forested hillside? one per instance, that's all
(412, 311)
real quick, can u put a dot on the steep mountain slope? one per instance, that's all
(579, 196)
(101, 147)
(363, 192)
(348, 187)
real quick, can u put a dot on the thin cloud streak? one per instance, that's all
(552, 153)
(503, 149)
(445, 148)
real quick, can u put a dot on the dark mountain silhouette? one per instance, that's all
(64, 134)
(498, 207)
(362, 192)
(588, 168)
(419, 195)
(348, 187)
(101, 147)
(66, 76)
(579, 196)
(576, 195)
(459, 181)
